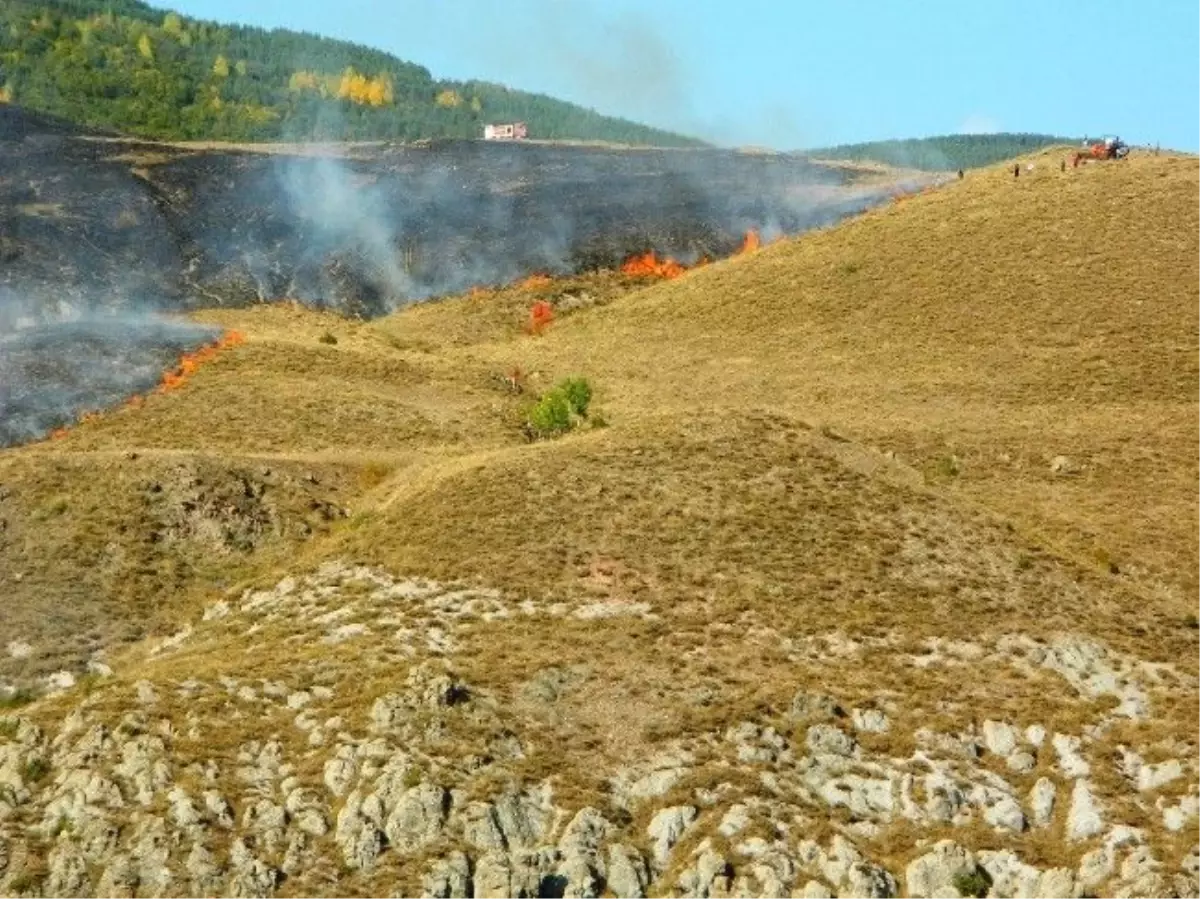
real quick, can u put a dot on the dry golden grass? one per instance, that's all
(1003, 322)
(742, 489)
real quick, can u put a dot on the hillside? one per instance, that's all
(131, 67)
(880, 579)
(945, 153)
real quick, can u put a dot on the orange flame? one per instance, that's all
(535, 281)
(190, 363)
(650, 266)
(750, 242)
(541, 314)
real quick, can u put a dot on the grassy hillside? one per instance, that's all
(137, 69)
(945, 153)
(931, 461)
(923, 330)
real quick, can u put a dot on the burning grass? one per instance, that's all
(190, 363)
(172, 379)
(923, 330)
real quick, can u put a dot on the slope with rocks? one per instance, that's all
(819, 612)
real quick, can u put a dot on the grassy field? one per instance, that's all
(968, 415)
(973, 410)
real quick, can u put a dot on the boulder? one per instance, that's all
(357, 836)
(449, 878)
(809, 706)
(999, 737)
(825, 739)
(418, 818)
(1069, 760)
(1084, 817)
(871, 721)
(935, 872)
(628, 875)
(1041, 801)
(205, 875)
(665, 829)
(67, 871)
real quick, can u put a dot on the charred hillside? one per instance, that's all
(366, 228)
(101, 231)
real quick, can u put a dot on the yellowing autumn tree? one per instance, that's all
(145, 47)
(172, 24)
(380, 91)
(358, 88)
(448, 99)
(221, 67)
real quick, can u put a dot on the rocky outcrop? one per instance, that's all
(142, 788)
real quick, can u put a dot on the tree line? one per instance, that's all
(126, 66)
(947, 153)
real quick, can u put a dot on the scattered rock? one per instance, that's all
(1063, 465)
(665, 829)
(935, 873)
(1083, 818)
(450, 878)
(999, 737)
(1069, 760)
(628, 874)
(1041, 801)
(825, 739)
(871, 721)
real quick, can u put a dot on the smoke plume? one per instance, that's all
(95, 255)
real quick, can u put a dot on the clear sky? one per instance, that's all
(792, 74)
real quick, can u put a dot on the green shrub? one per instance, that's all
(973, 883)
(328, 338)
(559, 410)
(17, 698)
(579, 394)
(35, 769)
(22, 884)
(412, 777)
(550, 415)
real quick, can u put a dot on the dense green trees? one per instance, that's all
(123, 65)
(954, 151)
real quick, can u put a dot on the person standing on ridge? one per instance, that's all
(1017, 170)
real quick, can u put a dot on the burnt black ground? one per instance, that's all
(51, 373)
(93, 226)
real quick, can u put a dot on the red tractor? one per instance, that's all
(1108, 147)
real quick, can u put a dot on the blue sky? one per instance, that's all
(791, 73)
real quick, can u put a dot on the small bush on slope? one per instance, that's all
(559, 410)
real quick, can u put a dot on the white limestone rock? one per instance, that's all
(1084, 818)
